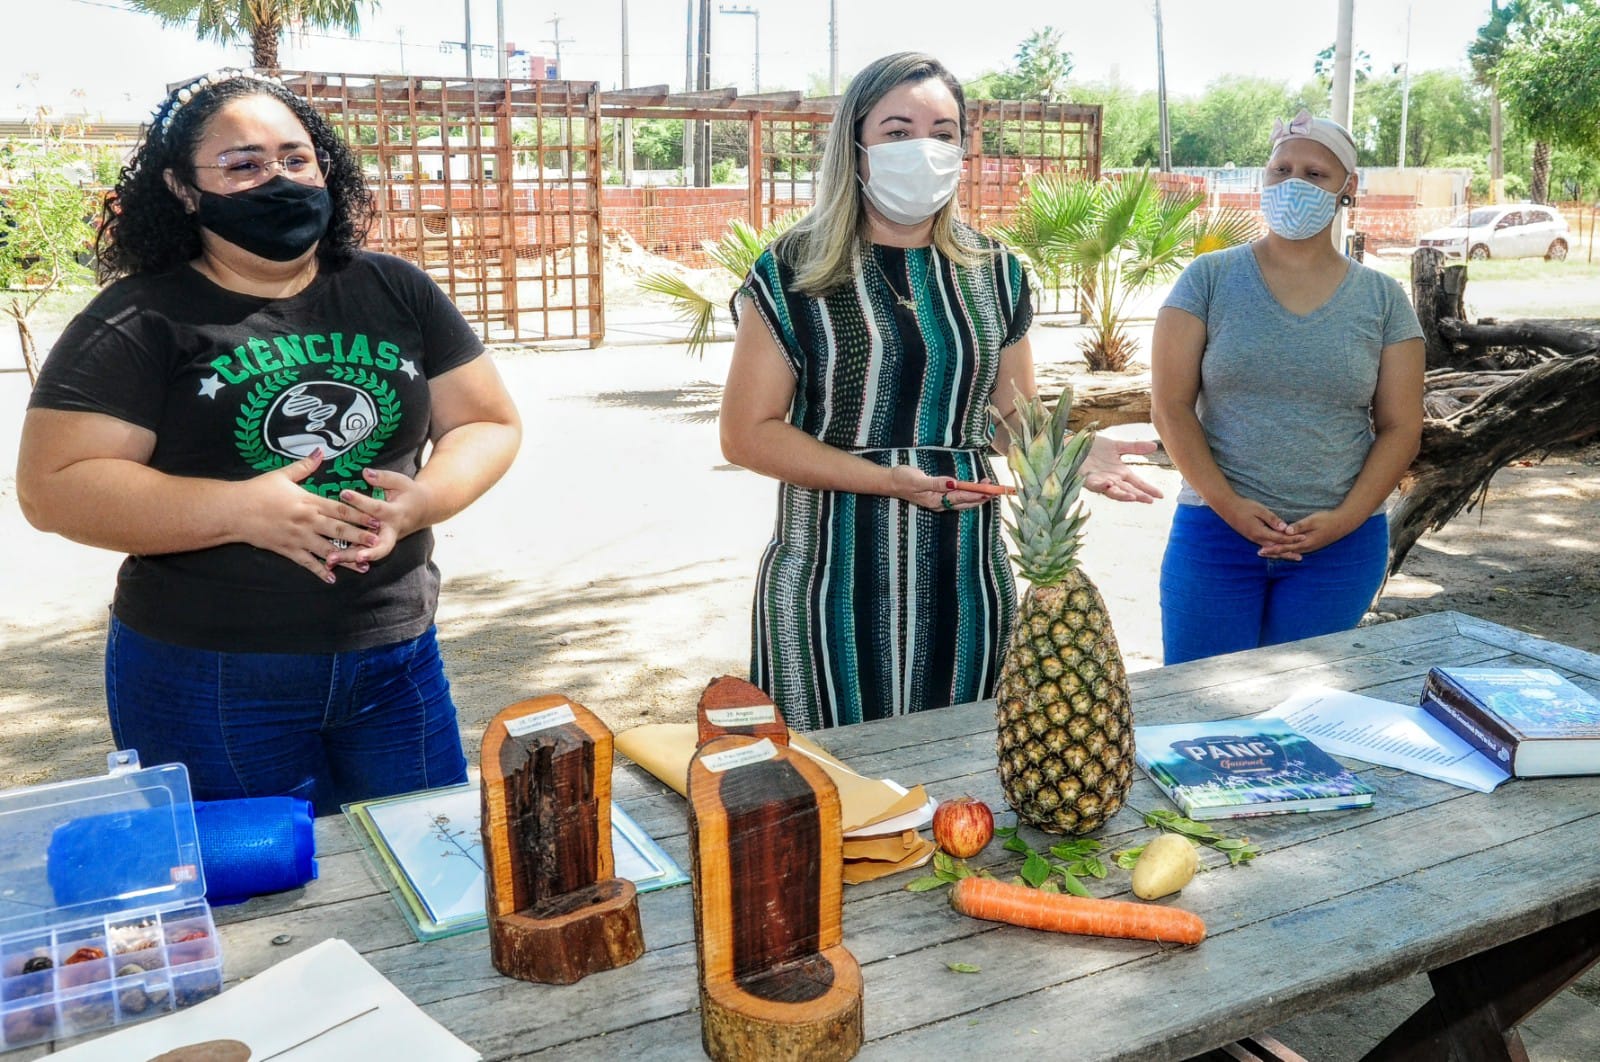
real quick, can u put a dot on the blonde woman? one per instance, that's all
(882, 331)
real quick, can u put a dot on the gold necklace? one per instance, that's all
(904, 300)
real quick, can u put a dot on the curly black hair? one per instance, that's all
(144, 226)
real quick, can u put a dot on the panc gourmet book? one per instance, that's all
(1251, 766)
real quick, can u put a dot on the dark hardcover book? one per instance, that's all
(1529, 720)
(1237, 767)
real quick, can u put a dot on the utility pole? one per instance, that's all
(500, 39)
(702, 168)
(688, 86)
(1405, 90)
(756, 13)
(1343, 76)
(466, 7)
(833, 47)
(1161, 95)
(558, 40)
(626, 150)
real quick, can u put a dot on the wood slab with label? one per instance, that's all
(557, 911)
(733, 706)
(765, 841)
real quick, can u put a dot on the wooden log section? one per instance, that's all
(557, 912)
(776, 982)
(733, 706)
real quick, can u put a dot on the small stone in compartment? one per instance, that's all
(36, 964)
(22, 1026)
(134, 999)
(136, 937)
(88, 954)
(187, 995)
(89, 1014)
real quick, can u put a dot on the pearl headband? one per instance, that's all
(177, 100)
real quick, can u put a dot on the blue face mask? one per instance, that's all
(1297, 209)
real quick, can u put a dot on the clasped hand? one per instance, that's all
(282, 516)
(1279, 539)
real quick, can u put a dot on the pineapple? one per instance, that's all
(1065, 723)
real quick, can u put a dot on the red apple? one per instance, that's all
(962, 826)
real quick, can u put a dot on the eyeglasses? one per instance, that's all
(244, 168)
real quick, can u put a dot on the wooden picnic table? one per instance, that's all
(1497, 896)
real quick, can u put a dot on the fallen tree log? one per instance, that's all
(1555, 402)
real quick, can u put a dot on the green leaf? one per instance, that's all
(1094, 867)
(924, 884)
(962, 870)
(1005, 831)
(1128, 857)
(942, 861)
(1016, 844)
(1074, 886)
(1050, 887)
(964, 967)
(1035, 869)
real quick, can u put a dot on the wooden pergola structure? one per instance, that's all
(491, 186)
(1007, 141)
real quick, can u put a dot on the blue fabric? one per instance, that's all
(1218, 596)
(327, 727)
(248, 847)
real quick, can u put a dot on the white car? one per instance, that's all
(1510, 230)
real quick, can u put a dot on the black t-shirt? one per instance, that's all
(235, 385)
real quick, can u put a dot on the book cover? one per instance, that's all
(1530, 720)
(1234, 767)
(429, 847)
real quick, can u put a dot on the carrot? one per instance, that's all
(999, 901)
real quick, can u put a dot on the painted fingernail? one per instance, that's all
(363, 566)
(375, 524)
(949, 484)
(370, 540)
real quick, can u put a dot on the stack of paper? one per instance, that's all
(880, 817)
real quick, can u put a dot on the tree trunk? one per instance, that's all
(264, 36)
(1437, 292)
(1539, 180)
(1529, 413)
(1497, 166)
(30, 351)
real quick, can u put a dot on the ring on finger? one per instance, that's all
(944, 500)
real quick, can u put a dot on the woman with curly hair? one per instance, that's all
(243, 410)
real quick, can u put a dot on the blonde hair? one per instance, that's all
(823, 245)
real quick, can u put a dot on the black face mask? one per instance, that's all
(280, 220)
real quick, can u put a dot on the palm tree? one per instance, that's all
(263, 21)
(1116, 237)
(736, 252)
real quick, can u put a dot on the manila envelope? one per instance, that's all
(665, 749)
(870, 858)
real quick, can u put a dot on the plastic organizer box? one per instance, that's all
(103, 918)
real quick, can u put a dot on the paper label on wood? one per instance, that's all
(544, 720)
(759, 752)
(751, 716)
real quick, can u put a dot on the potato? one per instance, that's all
(1166, 865)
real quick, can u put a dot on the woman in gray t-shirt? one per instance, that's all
(1287, 386)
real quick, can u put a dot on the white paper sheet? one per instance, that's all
(326, 1004)
(1388, 734)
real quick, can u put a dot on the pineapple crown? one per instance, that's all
(1046, 520)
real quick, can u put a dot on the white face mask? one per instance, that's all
(911, 179)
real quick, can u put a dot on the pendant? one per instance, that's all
(906, 302)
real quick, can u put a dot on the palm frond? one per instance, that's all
(1221, 229)
(694, 307)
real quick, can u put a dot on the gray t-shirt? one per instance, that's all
(1286, 400)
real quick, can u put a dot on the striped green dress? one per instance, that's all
(868, 606)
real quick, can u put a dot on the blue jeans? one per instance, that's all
(1217, 596)
(327, 727)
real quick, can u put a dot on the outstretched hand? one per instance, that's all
(1104, 472)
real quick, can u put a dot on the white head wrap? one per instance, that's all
(1325, 131)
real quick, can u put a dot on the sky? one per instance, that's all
(99, 58)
